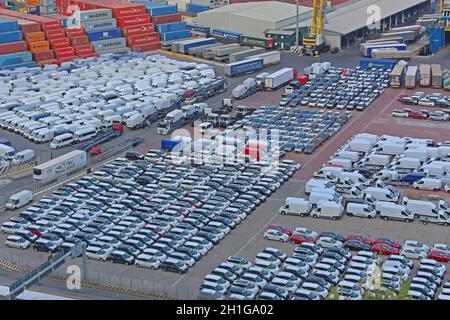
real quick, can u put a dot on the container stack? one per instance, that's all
(13, 50)
(102, 34)
(47, 7)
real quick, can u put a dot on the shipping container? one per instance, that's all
(411, 77)
(175, 35)
(396, 76)
(196, 8)
(138, 30)
(43, 55)
(12, 47)
(133, 20)
(168, 27)
(7, 25)
(34, 36)
(109, 44)
(266, 43)
(98, 25)
(243, 67)
(241, 55)
(104, 34)
(392, 54)
(15, 58)
(278, 78)
(436, 76)
(147, 47)
(368, 63)
(60, 167)
(12, 36)
(89, 15)
(38, 46)
(226, 36)
(186, 45)
(407, 36)
(176, 17)
(425, 75)
(269, 58)
(142, 39)
(366, 49)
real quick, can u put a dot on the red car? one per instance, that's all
(281, 228)
(360, 237)
(383, 248)
(388, 241)
(417, 115)
(299, 238)
(439, 255)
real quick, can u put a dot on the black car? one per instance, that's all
(356, 245)
(333, 235)
(45, 246)
(122, 257)
(282, 293)
(309, 149)
(174, 265)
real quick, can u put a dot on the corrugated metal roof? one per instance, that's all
(354, 16)
(271, 11)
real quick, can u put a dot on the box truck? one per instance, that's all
(279, 78)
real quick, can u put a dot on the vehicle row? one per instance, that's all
(441, 115)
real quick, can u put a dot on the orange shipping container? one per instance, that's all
(38, 46)
(34, 36)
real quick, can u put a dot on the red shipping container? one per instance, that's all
(55, 34)
(125, 9)
(86, 49)
(168, 18)
(146, 47)
(139, 29)
(78, 41)
(43, 55)
(68, 58)
(143, 39)
(51, 25)
(13, 47)
(133, 20)
(74, 32)
(29, 26)
(66, 50)
(60, 43)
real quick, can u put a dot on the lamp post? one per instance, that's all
(296, 27)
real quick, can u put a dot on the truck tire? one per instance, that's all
(283, 212)
(385, 218)
(315, 216)
(408, 220)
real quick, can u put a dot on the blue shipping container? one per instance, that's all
(175, 35)
(226, 35)
(186, 47)
(168, 27)
(162, 10)
(8, 25)
(29, 64)
(104, 34)
(377, 63)
(205, 30)
(13, 36)
(241, 67)
(15, 58)
(437, 39)
(196, 8)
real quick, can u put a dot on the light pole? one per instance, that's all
(296, 27)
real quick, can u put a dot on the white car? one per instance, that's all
(416, 244)
(147, 261)
(276, 235)
(306, 231)
(400, 113)
(441, 246)
(97, 253)
(268, 258)
(413, 253)
(17, 242)
(329, 242)
(447, 187)
(10, 227)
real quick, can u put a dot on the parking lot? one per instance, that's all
(247, 238)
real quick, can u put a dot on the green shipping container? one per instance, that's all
(257, 42)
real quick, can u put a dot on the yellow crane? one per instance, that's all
(313, 43)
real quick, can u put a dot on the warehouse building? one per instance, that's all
(348, 24)
(253, 18)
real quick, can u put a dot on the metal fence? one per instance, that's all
(112, 282)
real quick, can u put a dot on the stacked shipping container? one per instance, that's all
(13, 50)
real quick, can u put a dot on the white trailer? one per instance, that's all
(279, 78)
(60, 167)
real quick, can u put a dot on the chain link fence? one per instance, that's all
(111, 281)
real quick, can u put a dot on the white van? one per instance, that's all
(296, 206)
(428, 184)
(344, 154)
(363, 210)
(315, 197)
(432, 170)
(324, 190)
(325, 171)
(19, 199)
(204, 127)
(382, 194)
(421, 208)
(356, 177)
(327, 209)
(317, 183)
(62, 141)
(6, 152)
(342, 162)
(392, 211)
(84, 134)
(23, 157)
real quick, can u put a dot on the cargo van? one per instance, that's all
(352, 155)
(19, 199)
(406, 163)
(346, 164)
(361, 210)
(327, 209)
(23, 157)
(421, 208)
(355, 177)
(322, 173)
(432, 170)
(296, 206)
(375, 160)
(392, 211)
(382, 194)
(62, 141)
(315, 197)
(317, 183)
(6, 152)
(428, 184)
(84, 134)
